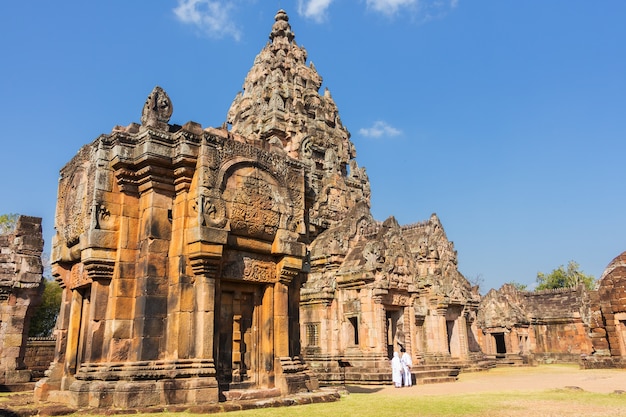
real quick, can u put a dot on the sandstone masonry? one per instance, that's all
(21, 283)
(182, 252)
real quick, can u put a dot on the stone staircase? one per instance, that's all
(376, 371)
(422, 374)
(434, 374)
(510, 359)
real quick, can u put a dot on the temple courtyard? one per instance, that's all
(546, 390)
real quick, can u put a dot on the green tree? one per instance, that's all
(518, 286)
(45, 316)
(8, 222)
(563, 277)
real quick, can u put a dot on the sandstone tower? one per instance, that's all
(182, 251)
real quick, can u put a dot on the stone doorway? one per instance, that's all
(500, 345)
(450, 332)
(453, 330)
(395, 333)
(237, 353)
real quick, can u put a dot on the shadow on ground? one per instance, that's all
(360, 389)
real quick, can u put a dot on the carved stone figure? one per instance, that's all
(157, 110)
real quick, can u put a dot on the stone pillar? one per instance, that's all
(380, 321)
(461, 324)
(151, 289)
(266, 337)
(205, 316)
(442, 344)
(281, 319)
(491, 344)
(94, 334)
(205, 250)
(73, 336)
(123, 286)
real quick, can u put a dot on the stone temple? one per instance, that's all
(200, 264)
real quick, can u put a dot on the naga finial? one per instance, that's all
(157, 110)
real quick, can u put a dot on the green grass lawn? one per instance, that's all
(547, 403)
(528, 401)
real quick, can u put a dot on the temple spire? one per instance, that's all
(281, 105)
(281, 30)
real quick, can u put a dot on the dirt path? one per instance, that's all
(517, 379)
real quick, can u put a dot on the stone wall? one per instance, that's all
(21, 284)
(557, 303)
(182, 249)
(38, 355)
(608, 318)
(549, 326)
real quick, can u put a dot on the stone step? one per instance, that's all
(435, 373)
(25, 386)
(251, 394)
(436, 380)
(422, 374)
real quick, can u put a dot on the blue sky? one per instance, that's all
(506, 118)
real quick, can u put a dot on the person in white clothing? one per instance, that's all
(407, 364)
(396, 370)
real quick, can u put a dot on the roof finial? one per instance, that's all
(157, 110)
(281, 28)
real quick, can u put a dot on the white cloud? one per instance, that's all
(314, 9)
(389, 7)
(380, 129)
(212, 17)
(425, 9)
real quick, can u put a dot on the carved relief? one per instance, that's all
(249, 267)
(252, 209)
(101, 215)
(210, 210)
(73, 206)
(258, 271)
(208, 177)
(373, 255)
(78, 277)
(157, 110)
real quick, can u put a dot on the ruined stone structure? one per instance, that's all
(608, 317)
(375, 288)
(21, 284)
(542, 326)
(39, 355)
(182, 252)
